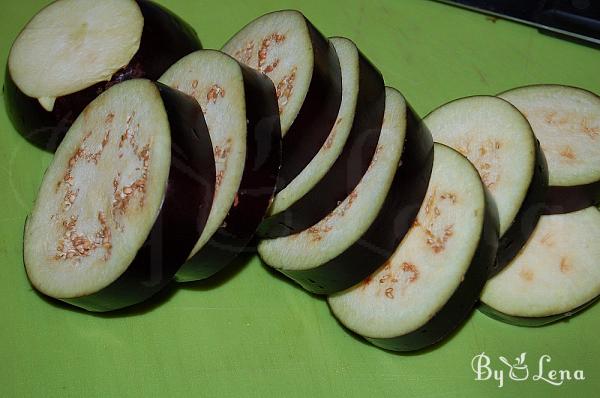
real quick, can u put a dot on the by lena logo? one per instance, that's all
(518, 370)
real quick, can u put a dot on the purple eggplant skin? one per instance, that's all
(463, 300)
(348, 169)
(515, 237)
(318, 113)
(532, 321)
(263, 159)
(561, 200)
(184, 212)
(395, 218)
(165, 39)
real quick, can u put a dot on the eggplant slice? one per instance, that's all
(306, 73)
(344, 158)
(499, 142)
(72, 50)
(566, 120)
(433, 279)
(240, 108)
(124, 200)
(556, 274)
(364, 229)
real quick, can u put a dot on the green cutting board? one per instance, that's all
(248, 332)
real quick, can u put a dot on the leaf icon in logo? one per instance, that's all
(505, 361)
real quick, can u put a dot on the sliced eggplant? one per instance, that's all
(341, 162)
(124, 200)
(433, 279)
(306, 73)
(363, 231)
(566, 120)
(240, 108)
(556, 273)
(72, 50)
(554, 276)
(499, 142)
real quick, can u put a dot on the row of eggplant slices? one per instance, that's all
(174, 158)
(165, 174)
(107, 230)
(516, 227)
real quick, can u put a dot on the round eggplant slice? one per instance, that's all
(240, 109)
(306, 73)
(554, 276)
(363, 231)
(433, 279)
(72, 50)
(124, 200)
(499, 142)
(566, 120)
(344, 158)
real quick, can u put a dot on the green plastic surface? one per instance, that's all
(249, 332)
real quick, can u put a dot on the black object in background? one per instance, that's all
(577, 20)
